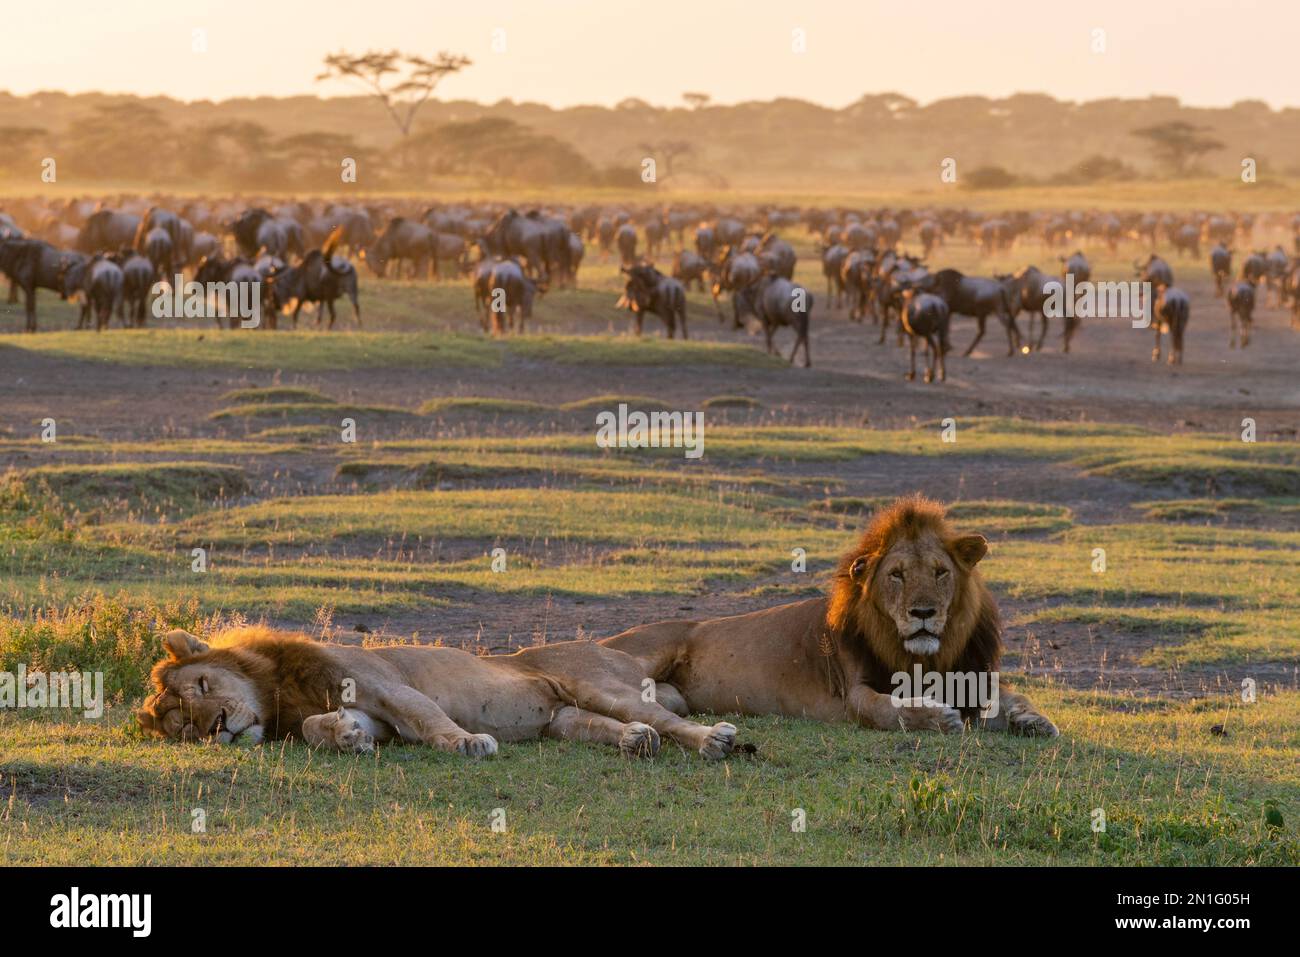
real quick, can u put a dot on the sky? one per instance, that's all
(569, 52)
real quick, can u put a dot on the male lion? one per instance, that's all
(264, 684)
(908, 594)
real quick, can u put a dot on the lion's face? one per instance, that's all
(914, 585)
(199, 698)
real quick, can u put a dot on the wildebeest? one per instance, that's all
(734, 272)
(978, 297)
(32, 264)
(690, 268)
(777, 256)
(926, 316)
(138, 278)
(179, 234)
(1170, 315)
(1220, 266)
(857, 268)
(833, 257)
(320, 278)
(511, 293)
(1255, 268)
(157, 247)
(1028, 291)
(649, 291)
(1155, 271)
(1187, 241)
(107, 230)
(257, 229)
(779, 302)
(100, 278)
(1075, 265)
(203, 245)
(403, 240)
(626, 240)
(1278, 264)
(243, 276)
(539, 243)
(1241, 308)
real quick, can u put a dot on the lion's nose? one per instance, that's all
(922, 613)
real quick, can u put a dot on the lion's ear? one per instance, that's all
(969, 549)
(181, 645)
(858, 570)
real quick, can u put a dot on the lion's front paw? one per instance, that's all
(639, 740)
(477, 745)
(719, 742)
(1032, 723)
(926, 714)
(341, 729)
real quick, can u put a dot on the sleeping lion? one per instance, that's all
(908, 596)
(263, 684)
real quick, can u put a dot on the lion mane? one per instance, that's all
(293, 677)
(857, 627)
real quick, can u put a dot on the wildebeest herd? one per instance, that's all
(111, 256)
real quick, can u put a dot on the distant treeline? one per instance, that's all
(300, 142)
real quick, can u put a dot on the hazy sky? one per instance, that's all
(564, 52)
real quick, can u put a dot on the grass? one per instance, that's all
(1173, 794)
(319, 352)
(95, 558)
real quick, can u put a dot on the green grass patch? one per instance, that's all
(152, 487)
(1173, 793)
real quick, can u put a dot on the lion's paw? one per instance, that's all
(477, 745)
(719, 742)
(639, 740)
(1032, 723)
(926, 714)
(344, 730)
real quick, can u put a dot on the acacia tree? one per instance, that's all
(1176, 144)
(400, 81)
(669, 151)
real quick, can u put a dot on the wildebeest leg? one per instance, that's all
(911, 375)
(1155, 353)
(330, 303)
(682, 316)
(30, 305)
(1071, 325)
(979, 334)
(1232, 328)
(1042, 334)
(356, 310)
(1013, 334)
(939, 351)
(633, 738)
(13, 292)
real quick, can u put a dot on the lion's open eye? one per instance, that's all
(896, 575)
(203, 685)
(939, 573)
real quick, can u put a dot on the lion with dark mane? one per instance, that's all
(907, 600)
